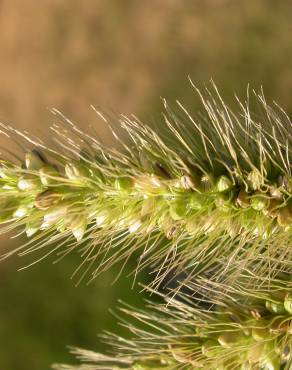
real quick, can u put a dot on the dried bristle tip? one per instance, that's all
(198, 183)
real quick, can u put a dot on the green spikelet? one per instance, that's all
(218, 187)
(241, 329)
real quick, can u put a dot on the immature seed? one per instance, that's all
(78, 225)
(276, 193)
(51, 217)
(34, 160)
(224, 184)
(148, 206)
(230, 338)
(288, 303)
(134, 226)
(285, 216)
(259, 334)
(28, 183)
(101, 217)
(178, 209)
(259, 202)
(254, 179)
(22, 211)
(275, 307)
(196, 201)
(47, 199)
(243, 199)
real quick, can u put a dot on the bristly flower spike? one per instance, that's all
(242, 330)
(212, 190)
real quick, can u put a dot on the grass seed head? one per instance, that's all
(215, 189)
(240, 329)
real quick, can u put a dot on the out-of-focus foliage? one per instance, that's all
(122, 55)
(41, 311)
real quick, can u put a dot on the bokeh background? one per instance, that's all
(122, 55)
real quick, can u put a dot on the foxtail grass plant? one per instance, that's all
(241, 329)
(207, 189)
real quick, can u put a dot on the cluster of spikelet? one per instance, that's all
(74, 196)
(207, 195)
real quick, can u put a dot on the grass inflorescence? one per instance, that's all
(215, 187)
(242, 330)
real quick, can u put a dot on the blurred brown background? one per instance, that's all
(122, 55)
